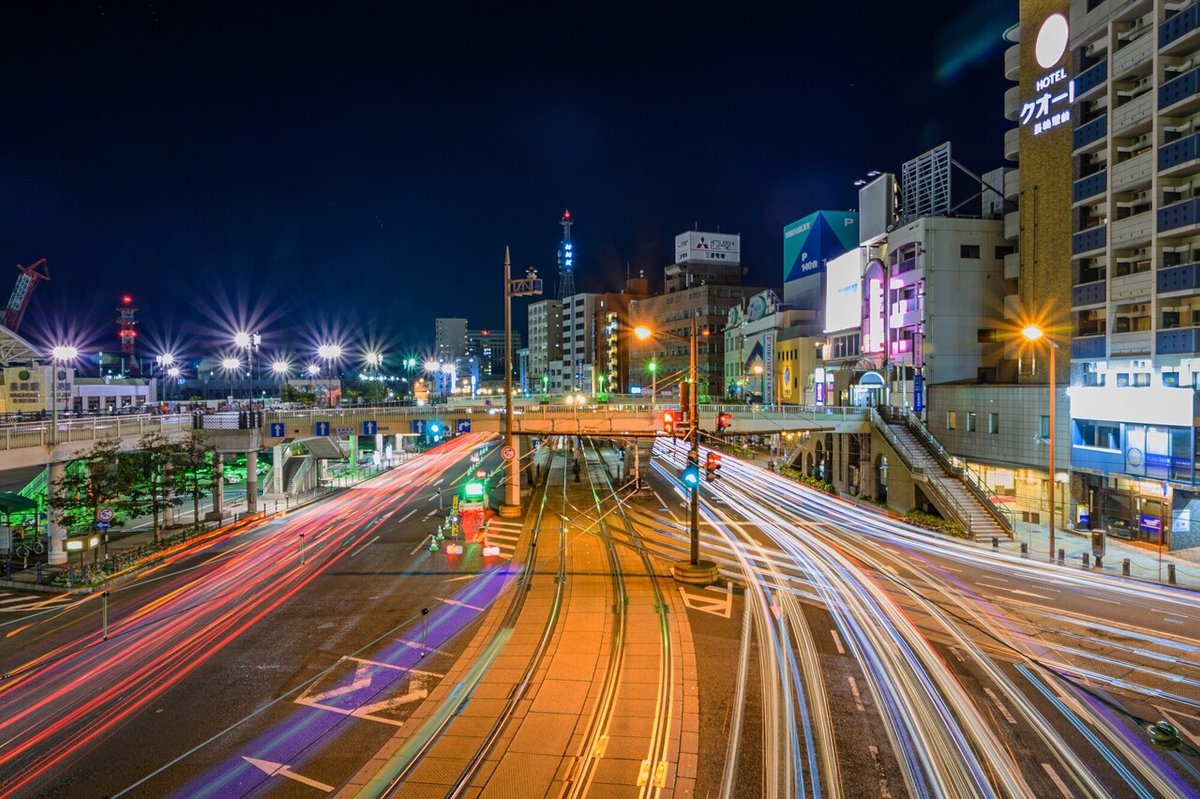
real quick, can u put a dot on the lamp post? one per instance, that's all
(1035, 333)
(653, 383)
(166, 362)
(58, 355)
(229, 366)
(527, 286)
(694, 571)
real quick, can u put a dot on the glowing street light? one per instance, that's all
(1036, 334)
(230, 364)
(241, 339)
(373, 359)
(281, 368)
(60, 354)
(329, 352)
(695, 570)
(313, 370)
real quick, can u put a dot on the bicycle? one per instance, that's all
(27, 547)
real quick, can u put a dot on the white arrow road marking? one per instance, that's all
(456, 603)
(280, 770)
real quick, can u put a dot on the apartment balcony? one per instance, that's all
(1012, 266)
(1012, 143)
(1012, 224)
(1088, 347)
(1180, 95)
(1090, 186)
(1136, 343)
(1131, 288)
(1132, 230)
(1179, 219)
(1177, 341)
(1091, 133)
(1178, 33)
(1088, 294)
(1012, 62)
(1136, 173)
(1135, 116)
(1012, 103)
(1131, 56)
(1090, 241)
(1091, 78)
(1184, 278)
(1181, 155)
(1012, 183)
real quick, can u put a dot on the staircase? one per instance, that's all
(291, 470)
(956, 491)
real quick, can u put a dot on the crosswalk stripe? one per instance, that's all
(502, 537)
(510, 525)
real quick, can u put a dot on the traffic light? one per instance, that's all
(668, 422)
(712, 465)
(690, 476)
(723, 421)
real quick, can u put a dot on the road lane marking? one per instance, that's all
(1057, 780)
(424, 543)
(721, 606)
(364, 546)
(1019, 592)
(858, 705)
(837, 641)
(1003, 709)
(280, 770)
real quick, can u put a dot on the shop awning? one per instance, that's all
(15, 503)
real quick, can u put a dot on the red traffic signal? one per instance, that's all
(712, 464)
(723, 421)
(668, 422)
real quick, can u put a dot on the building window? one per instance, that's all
(1044, 427)
(993, 423)
(1141, 379)
(1122, 379)
(1170, 379)
(970, 421)
(968, 251)
(951, 420)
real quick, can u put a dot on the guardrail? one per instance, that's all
(37, 434)
(956, 466)
(890, 436)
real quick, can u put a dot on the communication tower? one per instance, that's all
(126, 332)
(566, 259)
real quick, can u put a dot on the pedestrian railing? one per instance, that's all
(958, 467)
(955, 507)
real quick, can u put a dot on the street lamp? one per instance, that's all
(166, 362)
(60, 354)
(653, 367)
(250, 343)
(695, 571)
(1035, 334)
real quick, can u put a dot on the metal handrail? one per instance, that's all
(890, 435)
(956, 466)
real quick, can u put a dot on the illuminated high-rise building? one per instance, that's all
(566, 259)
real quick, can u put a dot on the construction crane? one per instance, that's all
(23, 290)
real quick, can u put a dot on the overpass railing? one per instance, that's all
(19, 435)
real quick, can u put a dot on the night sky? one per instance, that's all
(354, 170)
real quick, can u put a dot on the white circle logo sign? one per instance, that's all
(1051, 41)
(1134, 456)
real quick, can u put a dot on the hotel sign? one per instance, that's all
(1050, 106)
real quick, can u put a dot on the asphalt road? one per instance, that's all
(244, 651)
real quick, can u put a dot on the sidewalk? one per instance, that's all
(137, 535)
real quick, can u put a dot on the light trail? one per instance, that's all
(64, 701)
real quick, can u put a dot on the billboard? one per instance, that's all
(843, 291)
(810, 242)
(695, 245)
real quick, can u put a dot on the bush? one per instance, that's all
(812, 482)
(935, 523)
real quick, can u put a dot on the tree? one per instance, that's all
(192, 473)
(100, 478)
(151, 492)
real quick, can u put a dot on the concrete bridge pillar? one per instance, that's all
(252, 481)
(218, 490)
(379, 450)
(55, 534)
(353, 441)
(277, 470)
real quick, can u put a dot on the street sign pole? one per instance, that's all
(524, 287)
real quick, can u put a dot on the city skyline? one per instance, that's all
(350, 175)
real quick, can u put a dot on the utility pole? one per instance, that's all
(527, 286)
